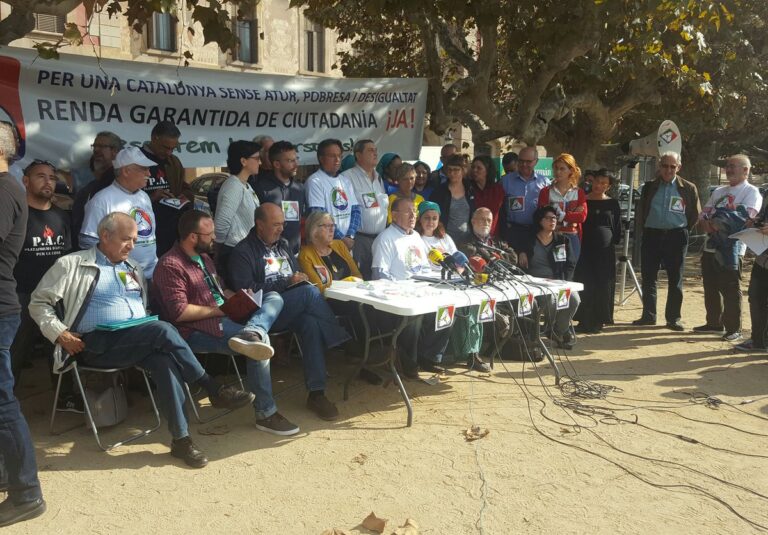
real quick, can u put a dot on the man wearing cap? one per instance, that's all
(371, 195)
(521, 189)
(125, 195)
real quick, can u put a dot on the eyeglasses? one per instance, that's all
(206, 233)
(328, 225)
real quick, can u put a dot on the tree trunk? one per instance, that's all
(699, 154)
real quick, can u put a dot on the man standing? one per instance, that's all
(727, 211)
(265, 169)
(758, 292)
(101, 286)
(279, 186)
(437, 176)
(25, 499)
(186, 279)
(521, 189)
(125, 195)
(371, 195)
(169, 192)
(99, 174)
(509, 163)
(48, 238)
(398, 254)
(668, 209)
(328, 191)
(263, 262)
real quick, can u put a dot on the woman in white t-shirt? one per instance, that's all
(236, 202)
(467, 332)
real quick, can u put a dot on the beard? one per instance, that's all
(206, 248)
(482, 233)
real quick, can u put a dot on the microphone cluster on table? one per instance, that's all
(485, 266)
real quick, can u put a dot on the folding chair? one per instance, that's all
(193, 401)
(62, 365)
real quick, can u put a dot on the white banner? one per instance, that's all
(59, 105)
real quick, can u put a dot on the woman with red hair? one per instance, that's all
(567, 199)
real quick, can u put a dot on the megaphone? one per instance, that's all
(666, 139)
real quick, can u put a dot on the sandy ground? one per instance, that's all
(626, 464)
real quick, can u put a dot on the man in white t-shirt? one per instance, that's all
(332, 193)
(723, 214)
(371, 195)
(125, 195)
(398, 254)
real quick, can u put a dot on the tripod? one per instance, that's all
(626, 265)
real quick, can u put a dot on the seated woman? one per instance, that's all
(467, 332)
(236, 202)
(547, 254)
(405, 178)
(322, 258)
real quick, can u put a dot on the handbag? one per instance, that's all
(107, 401)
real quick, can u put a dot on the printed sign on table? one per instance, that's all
(563, 298)
(486, 312)
(525, 305)
(444, 317)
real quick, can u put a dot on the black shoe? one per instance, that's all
(323, 407)
(708, 329)
(477, 364)
(229, 397)
(644, 321)
(675, 326)
(564, 341)
(432, 367)
(186, 450)
(732, 336)
(11, 513)
(70, 403)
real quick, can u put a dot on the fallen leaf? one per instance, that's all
(475, 433)
(221, 429)
(409, 528)
(360, 458)
(374, 523)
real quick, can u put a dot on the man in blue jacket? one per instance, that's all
(263, 261)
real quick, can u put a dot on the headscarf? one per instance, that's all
(385, 161)
(347, 163)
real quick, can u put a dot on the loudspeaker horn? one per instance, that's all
(666, 139)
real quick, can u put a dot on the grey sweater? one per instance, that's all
(234, 211)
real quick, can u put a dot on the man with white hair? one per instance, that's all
(667, 210)
(125, 195)
(727, 211)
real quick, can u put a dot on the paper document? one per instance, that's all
(752, 238)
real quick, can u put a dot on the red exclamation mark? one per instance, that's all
(413, 118)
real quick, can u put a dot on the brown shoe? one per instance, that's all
(323, 407)
(229, 397)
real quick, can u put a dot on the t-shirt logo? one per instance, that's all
(369, 200)
(322, 272)
(677, 205)
(413, 259)
(339, 198)
(291, 210)
(727, 201)
(516, 204)
(560, 255)
(143, 222)
(48, 232)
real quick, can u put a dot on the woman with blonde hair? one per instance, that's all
(568, 200)
(322, 258)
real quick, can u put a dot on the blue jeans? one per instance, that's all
(575, 245)
(16, 449)
(306, 313)
(158, 348)
(258, 377)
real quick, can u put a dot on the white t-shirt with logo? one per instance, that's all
(371, 197)
(335, 195)
(445, 245)
(731, 197)
(114, 198)
(400, 255)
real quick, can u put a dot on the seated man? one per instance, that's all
(398, 254)
(101, 286)
(186, 279)
(263, 261)
(478, 240)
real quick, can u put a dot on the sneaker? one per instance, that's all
(186, 450)
(277, 424)
(229, 397)
(644, 321)
(323, 407)
(748, 346)
(731, 336)
(708, 329)
(250, 344)
(10, 513)
(70, 403)
(477, 364)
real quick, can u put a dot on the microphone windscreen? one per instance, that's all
(477, 264)
(460, 259)
(436, 257)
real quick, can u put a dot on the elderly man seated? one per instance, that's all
(263, 261)
(398, 254)
(100, 286)
(186, 279)
(478, 240)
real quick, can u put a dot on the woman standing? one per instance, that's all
(236, 202)
(405, 178)
(455, 198)
(386, 169)
(467, 332)
(568, 199)
(548, 255)
(422, 186)
(596, 268)
(489, 193)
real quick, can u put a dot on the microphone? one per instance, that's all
(461, 260)
(478, 265)
(447, 263)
